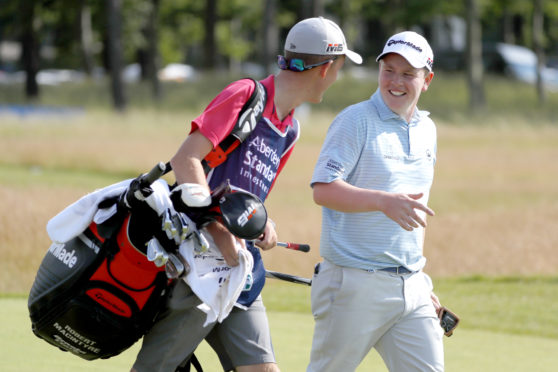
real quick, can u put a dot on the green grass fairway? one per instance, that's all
(468, 350)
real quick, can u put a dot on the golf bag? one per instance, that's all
(96, 297)
(97, 294)
(101, 291)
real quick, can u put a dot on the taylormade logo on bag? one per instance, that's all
(67, 258)
(247, 121)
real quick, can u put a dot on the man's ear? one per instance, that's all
(427, 80)
(323, 69)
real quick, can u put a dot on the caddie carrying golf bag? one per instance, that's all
(97, 293)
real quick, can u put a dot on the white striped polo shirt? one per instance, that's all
(371, 147)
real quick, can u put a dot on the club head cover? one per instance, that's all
(242, 213)
(136, 194)
(193, 194)
(196, 207)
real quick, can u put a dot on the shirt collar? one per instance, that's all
(386, 113)
(419, 115)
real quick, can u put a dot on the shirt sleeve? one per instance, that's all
(220, 116)
(341, 149)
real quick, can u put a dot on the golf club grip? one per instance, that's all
(288, 278)
(295, 246)
(154, 174)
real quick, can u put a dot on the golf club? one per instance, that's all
(295, 246)
(288, 277)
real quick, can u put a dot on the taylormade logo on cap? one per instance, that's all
(413, 47)
(409, 44)
(319, 36)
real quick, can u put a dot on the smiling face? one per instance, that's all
(401, 84)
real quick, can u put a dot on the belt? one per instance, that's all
(397, 270)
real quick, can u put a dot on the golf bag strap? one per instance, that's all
(219, 154)
(248, 117)
(193, 361)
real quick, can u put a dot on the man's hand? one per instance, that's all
(436, 303)
(344, 197)
(448, 319)
(226, 242)
(268, 239)
(402, 209)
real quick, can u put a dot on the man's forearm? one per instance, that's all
(186, 163)
(341, 196)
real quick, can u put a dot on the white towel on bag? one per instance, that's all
(211, 279)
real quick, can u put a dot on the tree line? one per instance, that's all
(221, 34)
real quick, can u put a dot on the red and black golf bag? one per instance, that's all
(101, 291)
(97, 294)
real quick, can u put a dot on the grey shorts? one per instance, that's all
(242, 339)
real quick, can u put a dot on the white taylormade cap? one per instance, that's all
(412, 46)
(319, 36)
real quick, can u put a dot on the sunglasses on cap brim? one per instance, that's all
(296, 64)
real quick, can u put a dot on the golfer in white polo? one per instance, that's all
(373, 180)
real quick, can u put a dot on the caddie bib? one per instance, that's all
(254, 164)
(253, 167)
